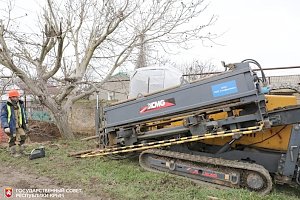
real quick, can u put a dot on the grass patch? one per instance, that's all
(125, 179)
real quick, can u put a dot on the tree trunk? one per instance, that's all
(60, 114)
(61, 120)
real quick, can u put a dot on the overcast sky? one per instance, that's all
(265, 30)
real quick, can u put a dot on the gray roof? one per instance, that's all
(291, 79)
(285, 84)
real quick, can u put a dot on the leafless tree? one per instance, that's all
(80, 36)
(196, 70)
(141, 59)
(4, 82)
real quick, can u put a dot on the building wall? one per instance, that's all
(82, 117)
(117, 89)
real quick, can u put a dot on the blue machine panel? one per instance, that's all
(223, 89)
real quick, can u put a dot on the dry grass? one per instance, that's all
(125, 179)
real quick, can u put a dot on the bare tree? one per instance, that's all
(196, 70)
(4, 82)
(81, 36)
(141, 59)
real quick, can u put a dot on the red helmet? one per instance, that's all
(13, 93)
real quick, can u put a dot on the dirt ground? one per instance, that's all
(40, 131)
(20, 179)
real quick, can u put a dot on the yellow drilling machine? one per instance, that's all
(223, 130)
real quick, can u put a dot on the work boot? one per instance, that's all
(13, 151)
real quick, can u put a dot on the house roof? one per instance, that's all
(285, 84)
(121, 76)
(291, 79)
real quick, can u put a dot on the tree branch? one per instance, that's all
(68, 89)
(58, 57)
(52, 14)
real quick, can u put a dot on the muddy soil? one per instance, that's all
(21, 181)
(40, 131)
(25, 183)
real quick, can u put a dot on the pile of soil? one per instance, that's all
(40, 131)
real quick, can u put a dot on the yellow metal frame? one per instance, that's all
(276, 138)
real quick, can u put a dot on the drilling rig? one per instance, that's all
(224, 130)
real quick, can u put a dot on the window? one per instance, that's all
(111, 95)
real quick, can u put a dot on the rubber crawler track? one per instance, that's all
(218, 162)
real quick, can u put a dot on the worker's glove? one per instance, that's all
(7, 130)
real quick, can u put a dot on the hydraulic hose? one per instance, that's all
(264, 79)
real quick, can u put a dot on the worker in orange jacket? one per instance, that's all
(14, 122)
